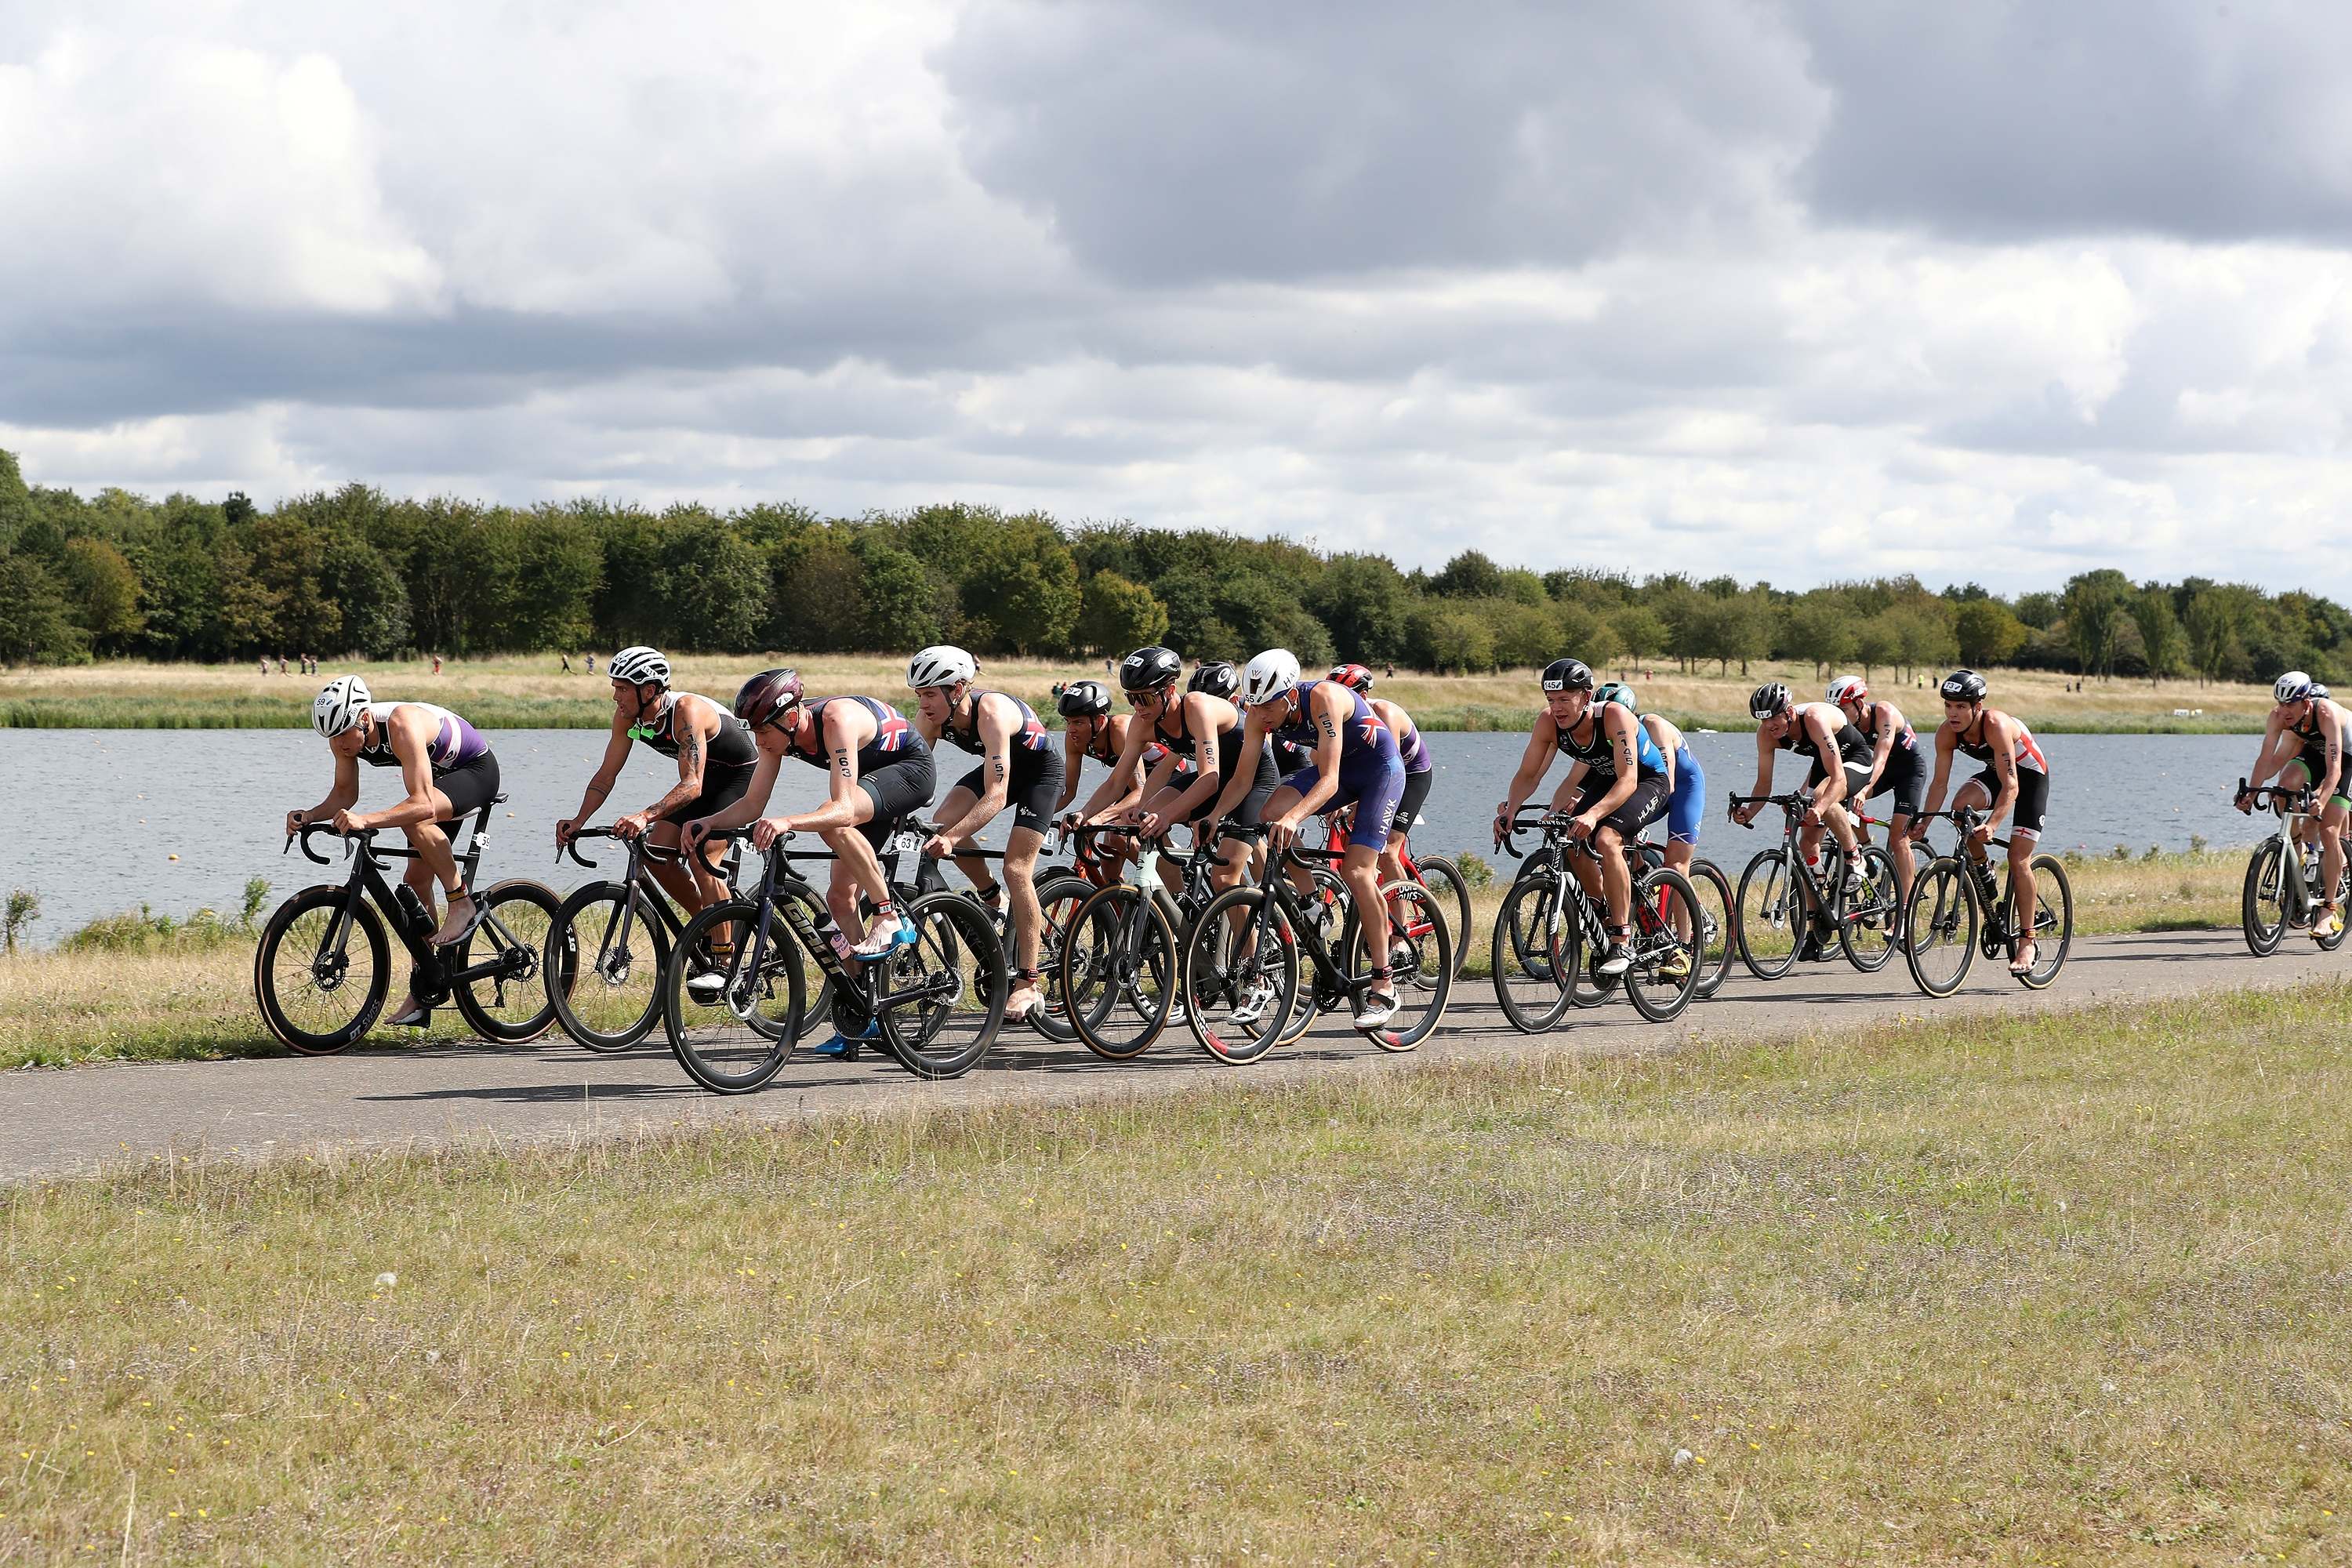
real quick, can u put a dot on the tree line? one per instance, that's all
(356, 571)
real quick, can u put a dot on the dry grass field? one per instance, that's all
(522, 692)
(2063, 1289)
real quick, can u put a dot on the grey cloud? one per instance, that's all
(2005, 121)
(1224, 138)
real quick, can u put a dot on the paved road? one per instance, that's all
(55, 1122)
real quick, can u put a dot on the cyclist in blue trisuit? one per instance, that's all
(448, 771)
(715, 756)
(1420, 767)
(1616, 786)
(1018, 766)
(1355, 763)
(1686, 780)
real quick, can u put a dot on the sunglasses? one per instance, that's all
(1138, 698)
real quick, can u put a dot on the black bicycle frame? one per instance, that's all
(1329, 983)
(435, 977)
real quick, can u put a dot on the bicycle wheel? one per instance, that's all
(1663, 969)
(1770, 920)
(1939, 919)
(1421, 964)
(1331, 911)
(2262, 907)
(2053, 921)
(738, 1034)
(1870, 916)
(610, 996)
(1444, 878)
(2343, 903)
(1238, 989)
(1118, 972)
(1058, 901)
(319, 980)
(1713, 890)
(940, 999)
(1535, 948)
(511, 1004)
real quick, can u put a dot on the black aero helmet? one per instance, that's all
(1149, 668)
(1771, 699)
(1082, 700)
(768, 695)
(1216, 676)
(1568, 675)
(1962, 685)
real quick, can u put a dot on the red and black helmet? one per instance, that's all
(768, 696)
(1354, 677)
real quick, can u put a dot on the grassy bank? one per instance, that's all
(2065, 1288)
(527, 693)
(193, 1000)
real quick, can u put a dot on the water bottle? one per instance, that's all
(412, 911)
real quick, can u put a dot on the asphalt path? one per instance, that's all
(73, 1120)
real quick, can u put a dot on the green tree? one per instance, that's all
(1469, 575)
(717, 587)
(821, 594)
(1923, 635)
(1363, 601)
(33, 626)
(1525, 635)
(902, 604)
(2215, 618)
(2095, 603)
(2160, 631)
(105, 593)
(1582, 633)
(1523, 587)
(1027, 584)
(1819, 629)
(16, 500)
(1640, 631)
(1878, 640)
(1987, 632)
(1119, 615)
(1452, 638)
(556, 577)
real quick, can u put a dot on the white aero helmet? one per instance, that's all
(1270, 675)
(2292, 687)
(640, 666)
(1849, 688)
(339, 705)
(939, 666)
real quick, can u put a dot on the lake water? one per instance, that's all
(101, 812)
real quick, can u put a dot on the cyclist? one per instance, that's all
(1818, 731)
(2308, 731)
(2015, 783)
(1019, 767)
(1420, 767)
(1181, 721)
(1686, 780)
(1897, 767)
(878, 771)
(1090, 729)
(715, 756)
(450, 773)
(1355, 763)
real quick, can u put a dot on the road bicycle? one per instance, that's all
(610, 941)
(322, 972)
(1551, 936)
(1116, 982)
(1781, 896)
(1438, 873)
(2281, 890)
(1061, 891)
(1245, 951)
(1957, 909)
(935, 1003)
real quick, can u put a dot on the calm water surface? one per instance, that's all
(101, 812)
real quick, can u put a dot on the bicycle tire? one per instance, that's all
(1426, 943)
(509, 909)
(2343, 903)
(733, 1045)
(1939, 917)
(1059, 897)
(2048, 873)
(1104, 971)
(1714, 904)
(956, 962)
(2262, 905)
(1655, 936)
(329, 977)
(1881, 920)
(1443, 877)
(1217, 977)
(586, 925)
(1537, 947)
(1336, 907)
(1776, 907)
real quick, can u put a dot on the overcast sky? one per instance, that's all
(1795, 291)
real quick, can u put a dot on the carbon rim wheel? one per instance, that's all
(1421, 964)
(1058, 901)
(2262, 908)
(1534, 949)
(1119, 980)
(1662, 972)
(1768, 922)
(1444, 878)
(1939, 919)
(1713, 890)
(512, 1005)
(738, 1033)
(940, 999)
(606, 983)
(2053, 921)
(1869, 917)
(317, 998)
(1238, 990)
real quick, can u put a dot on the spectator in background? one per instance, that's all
(567, 663)
(437, 664)
(264, 664)
(592, 664)
(281, 664)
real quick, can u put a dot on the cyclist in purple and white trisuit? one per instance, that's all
(449, 774)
